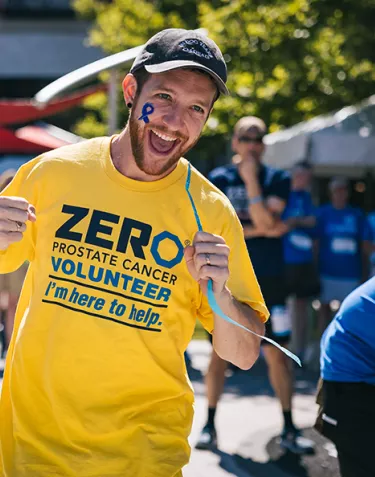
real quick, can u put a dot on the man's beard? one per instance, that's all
(137, 140)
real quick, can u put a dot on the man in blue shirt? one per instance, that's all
(259, 195)
(301, 275)
(371, 223)
(347, 394)
(342, 232)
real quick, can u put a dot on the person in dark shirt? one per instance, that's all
(259, 195)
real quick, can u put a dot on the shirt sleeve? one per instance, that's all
(365, 229)
(218, 178)
(23, 185)
(242, 281)
(281, 186)
(370, 221)
(317, 231)
(310, 208)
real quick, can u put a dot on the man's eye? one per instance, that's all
(198, 109)
(165, 96)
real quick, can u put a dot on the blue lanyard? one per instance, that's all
(210, 293)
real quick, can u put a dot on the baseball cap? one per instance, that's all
(179, 48)
(248, 123)
(338, 182)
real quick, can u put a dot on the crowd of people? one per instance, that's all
(298, 250)
(95, 381)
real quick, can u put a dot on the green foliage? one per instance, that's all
(288, 60)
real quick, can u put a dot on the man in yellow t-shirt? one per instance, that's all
(95, 383)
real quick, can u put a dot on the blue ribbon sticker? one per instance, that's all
(147, 109)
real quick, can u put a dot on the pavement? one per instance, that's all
(248, 423)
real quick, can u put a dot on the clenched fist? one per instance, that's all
(14, 213)
(208, 258)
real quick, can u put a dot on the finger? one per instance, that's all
(11, 213)
(31, 213)
(11, 226)
(189, 253)
(10, 237)
(15, 202)
(189, 258)
(206, 237)
(201, 260)
(215, 273)
(212, 248)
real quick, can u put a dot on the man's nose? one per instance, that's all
(173, 119)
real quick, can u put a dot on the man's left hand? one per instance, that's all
(248, 168)
(207, 259)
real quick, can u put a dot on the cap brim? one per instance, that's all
(173, 65)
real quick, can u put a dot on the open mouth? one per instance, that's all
(161, 143)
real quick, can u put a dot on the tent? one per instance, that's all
(24, 110)
(34, 139)
(344, 139)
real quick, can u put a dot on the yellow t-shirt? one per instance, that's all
(95, 383)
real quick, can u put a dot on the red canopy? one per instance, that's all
(29, 140)
(10, 143)
(21, 111)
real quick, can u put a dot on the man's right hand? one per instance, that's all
(14, 213)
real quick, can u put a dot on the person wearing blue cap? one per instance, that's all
(95, 381)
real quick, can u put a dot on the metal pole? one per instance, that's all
(112, 102)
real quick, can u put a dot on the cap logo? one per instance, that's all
(190, 46)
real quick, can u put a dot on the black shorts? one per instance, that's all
(274, 291)
(347, 418)
(274, 294)
(302, 280)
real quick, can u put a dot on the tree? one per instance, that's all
(293, 59)
(288, 60)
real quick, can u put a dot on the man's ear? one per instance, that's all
(129, 88)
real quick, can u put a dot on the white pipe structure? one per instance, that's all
(54, 89)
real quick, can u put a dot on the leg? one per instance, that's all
(280, 375)
(281, 378)
(351, 405)
(300, 315)
(215, 379)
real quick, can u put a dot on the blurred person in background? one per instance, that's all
(342, 247)
(347, 391)
(259, 195)
(301, 274)
(371, 222)
(10, 283)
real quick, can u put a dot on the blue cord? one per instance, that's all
(210, 293)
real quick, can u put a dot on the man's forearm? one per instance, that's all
(231, 342)
(259, 213)
(306, 222)
(278, 230)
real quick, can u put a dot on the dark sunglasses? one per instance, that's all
(251, 140)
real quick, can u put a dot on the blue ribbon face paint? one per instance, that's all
(147, 109)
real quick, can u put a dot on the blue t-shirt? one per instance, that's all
(371, 223)
(348, 344)
(340, 232)
(266, 253)
(298, 243)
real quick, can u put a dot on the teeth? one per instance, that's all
(163, 136)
